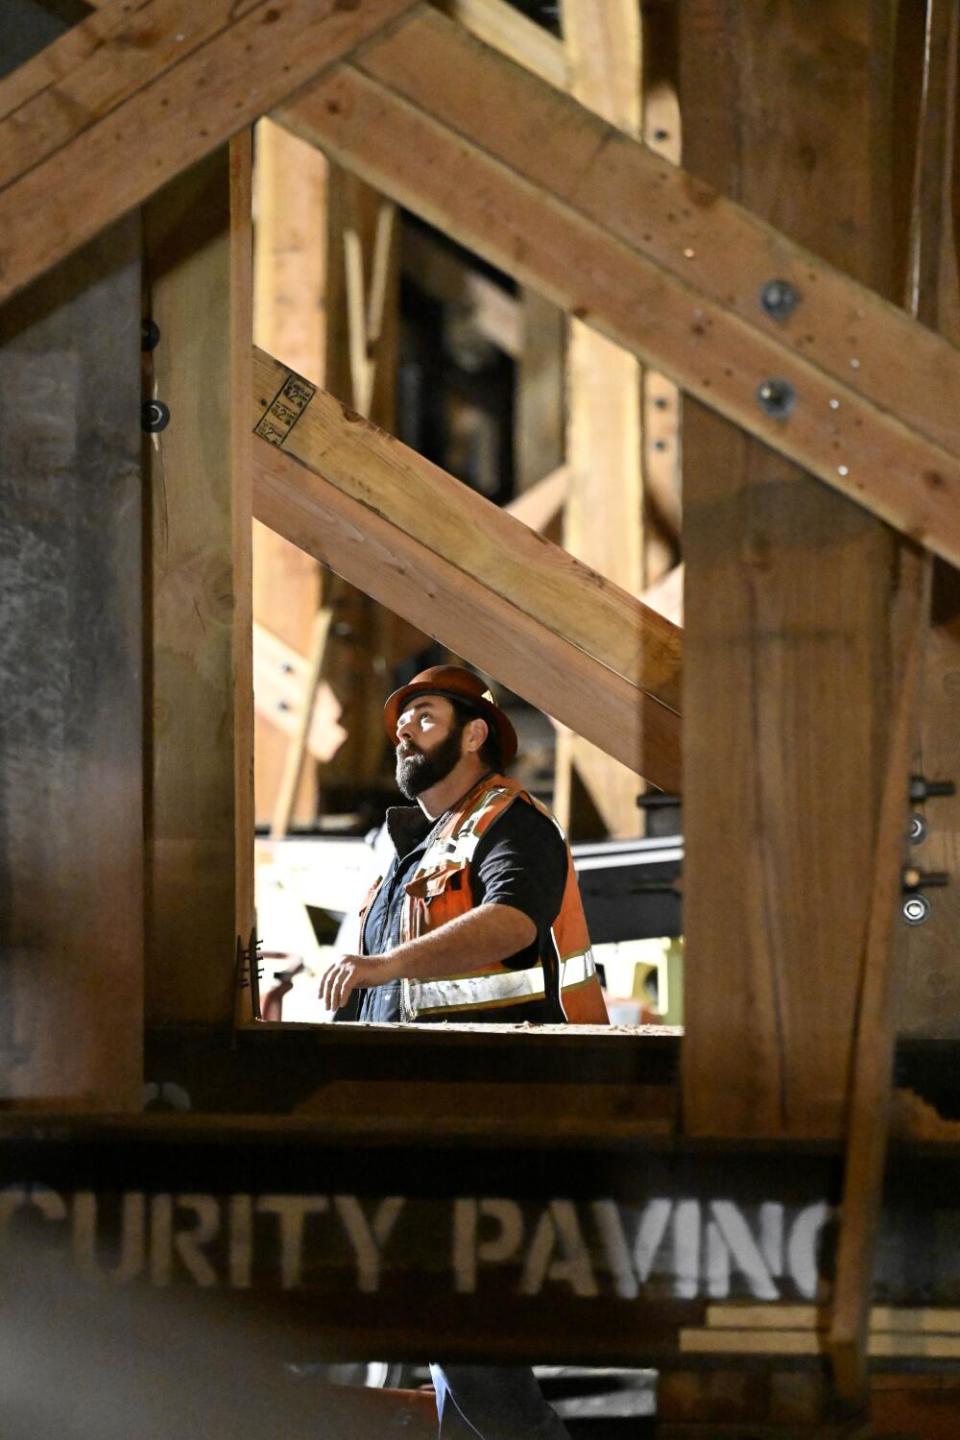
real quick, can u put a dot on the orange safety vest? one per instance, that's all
(440, 891)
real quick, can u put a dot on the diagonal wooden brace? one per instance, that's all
(460, 569)
(846, 384)
(123, 102)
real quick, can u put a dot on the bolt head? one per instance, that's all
(779, 299)
(776, 397)
(154, 416)
(915, 909)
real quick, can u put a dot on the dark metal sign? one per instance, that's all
(640, 1252)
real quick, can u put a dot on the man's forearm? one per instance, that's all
(461, 947)
(469, 943)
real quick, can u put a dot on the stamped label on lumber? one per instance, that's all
(285, 409)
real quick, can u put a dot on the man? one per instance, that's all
(478, 918)
(479, 915)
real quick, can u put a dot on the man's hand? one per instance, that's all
(460, 947)
(349, 973)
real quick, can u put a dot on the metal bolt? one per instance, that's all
(777, 398)
(916, 829)
(154, 416)
(922, 789)
(915, 909)
(914, 879)
(149, 334)
(779, 299)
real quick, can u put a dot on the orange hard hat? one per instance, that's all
(453, 682)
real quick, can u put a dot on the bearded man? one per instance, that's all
(478, 917)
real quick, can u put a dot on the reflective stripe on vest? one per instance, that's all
(459, 849)
(472, 992)
(434, 898)
(577, 969)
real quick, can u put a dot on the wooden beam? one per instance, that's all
(123, 102)
(507, 29)
(544, 200)
(200, 816)
(467, 616)
(589, 165)
(422, 500)
(462, 571)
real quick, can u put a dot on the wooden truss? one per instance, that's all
(462, 570)
(94, 125)
(824, 371)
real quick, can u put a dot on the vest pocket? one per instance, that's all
(436, 897)
(436, 882)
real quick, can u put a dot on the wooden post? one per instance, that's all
(327, 273)
(930, 997)
(603, 519)
(362, 287)
(661, 397)
(71, 823)
(199, 815)
(791, 652)
(539, 410)
(289, 320)
(872, 1079)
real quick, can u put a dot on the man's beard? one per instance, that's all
(418, 770)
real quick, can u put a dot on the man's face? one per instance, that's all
(429, 744)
